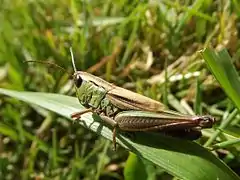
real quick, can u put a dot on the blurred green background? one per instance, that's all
(150, 47)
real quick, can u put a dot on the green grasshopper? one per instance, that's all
(129, 111)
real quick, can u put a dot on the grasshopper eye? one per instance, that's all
(78, 81)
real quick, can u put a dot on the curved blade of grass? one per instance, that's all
(184, 159)
(224, 71)
(7, 131)
(134, 168)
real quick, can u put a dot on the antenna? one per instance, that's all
(48, 63)
(73, 62)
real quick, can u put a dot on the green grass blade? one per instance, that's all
(134, 168)
(224, 71)
(7, 131)
(184, 159)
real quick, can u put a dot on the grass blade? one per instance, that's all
(222, 68)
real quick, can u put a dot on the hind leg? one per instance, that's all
(114, 124)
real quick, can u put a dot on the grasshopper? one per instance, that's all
(128, 111)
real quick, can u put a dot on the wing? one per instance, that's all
(128, 100)
(151, 121)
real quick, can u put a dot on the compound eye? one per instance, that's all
(78, 81)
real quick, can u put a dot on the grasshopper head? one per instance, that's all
(82, 89)
(206, 121)
(77, 79)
